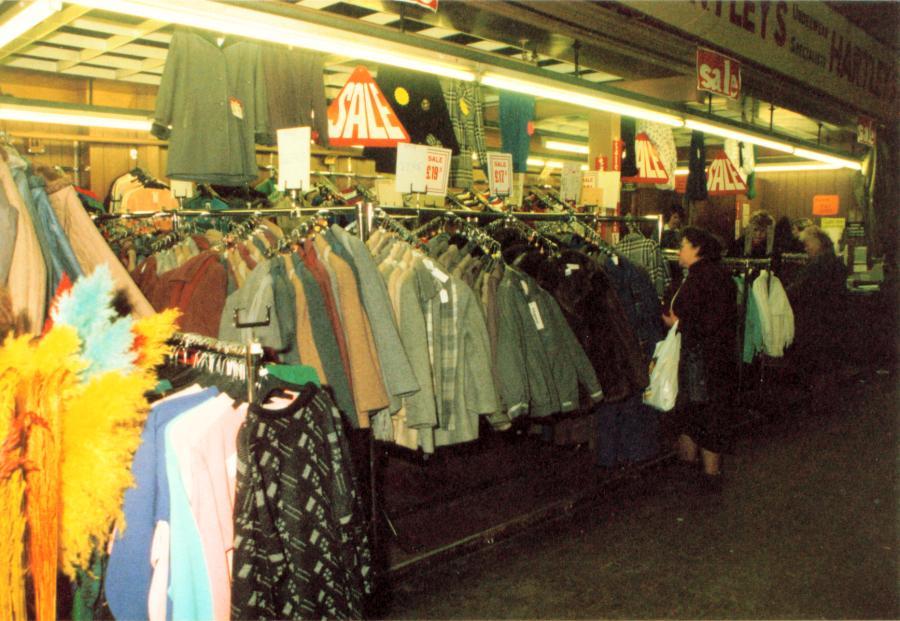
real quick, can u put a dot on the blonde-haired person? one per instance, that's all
(758, 240)
(818, 297)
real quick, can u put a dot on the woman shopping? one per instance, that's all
(705, 307)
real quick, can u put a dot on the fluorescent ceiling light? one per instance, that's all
(26, 19)
(724, 132)
(243, 22)
(545, 89)
(81, 118)
(570, 147)
(584, 167)
(787, 167)
(828, 159)
(536, 161)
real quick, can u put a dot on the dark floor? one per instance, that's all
(806, 527)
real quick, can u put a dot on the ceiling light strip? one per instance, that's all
(26, 19)
(60, 116)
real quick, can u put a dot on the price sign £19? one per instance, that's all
(421, 168)
(499, 173)
(718, 74)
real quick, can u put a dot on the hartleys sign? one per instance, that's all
(361, 116)
(718, 74)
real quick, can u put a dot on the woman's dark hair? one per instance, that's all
(708, 245)
(672, 210)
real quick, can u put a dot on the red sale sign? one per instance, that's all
(649, 165)
(361, 116)
(718, 74)
(723, 179)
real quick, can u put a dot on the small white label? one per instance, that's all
(571, 267)
(524, 286)
(237, 108)
(615, 259)
(536, 315)
(440, 275)
(445, 297)
(428, 263)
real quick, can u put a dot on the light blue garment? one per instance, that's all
(753, 334)
(189, 587)
(61, 253)
(128, 575)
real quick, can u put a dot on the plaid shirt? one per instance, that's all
(466, 110)
(646, 253)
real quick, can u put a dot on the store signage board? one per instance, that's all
(500, 172)
(681, 184)
(718, 74)
(650, 167)
(431, 5)
(807, 42)
(570, 182)
(360, 116)
(723, 178)
(422, 169)
(834, 228)
(826, 204)
(293, 158)
(601, 188)
(865, 131)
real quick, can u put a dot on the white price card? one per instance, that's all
(422, 169)
(293, 158)
(570, 182)
(500, 172)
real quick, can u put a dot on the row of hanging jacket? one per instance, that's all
(137, 190)
(241, 510)
(45, 236)
(769, 319)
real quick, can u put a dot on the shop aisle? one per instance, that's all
(806, 528)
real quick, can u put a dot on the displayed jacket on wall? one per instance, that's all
(466, 109)
(418, 102)
(696, 183)
(212, 108)
(516, 112)
(295, 90)
(627, 133)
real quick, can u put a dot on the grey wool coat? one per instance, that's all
(212, 108)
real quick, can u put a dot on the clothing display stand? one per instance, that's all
(208, 345)
(254, 349)
(745, 266)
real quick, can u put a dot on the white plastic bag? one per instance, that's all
(663, 388)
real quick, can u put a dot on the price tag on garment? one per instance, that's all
(571, 267)
(445, 297)
(423, 169)
(237, 108)
(500, 173)
(524, 286)
(293, 158)
(536, 315)
(570, 182)
(440, 275)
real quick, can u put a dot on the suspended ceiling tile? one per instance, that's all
(317, 4)
(32, 63)
(599, 76)
(80, 41)
(142, 51)
(437, 32)
(382, 19)
(91, 72)
(561, 68)
(158, 37)
(142, 78)
(116, 62)
(51, 52)
(488, 45)
(104, 26)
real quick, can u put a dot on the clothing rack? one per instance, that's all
(746, 264)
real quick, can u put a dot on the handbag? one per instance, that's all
(662, 391)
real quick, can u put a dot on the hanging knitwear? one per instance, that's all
(516, 113)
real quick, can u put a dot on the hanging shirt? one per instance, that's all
(130, 568)
(646, 252)
(307, 555)
(295, 90)
(516, 115)
(211, 106)
(466, 109)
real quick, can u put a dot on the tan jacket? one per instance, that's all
(368, 387)
(27, 273)
(306, 344)
(90, 248)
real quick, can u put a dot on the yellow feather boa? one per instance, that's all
(83, 436)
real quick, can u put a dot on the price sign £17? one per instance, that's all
(718, 74)
(499, 173)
